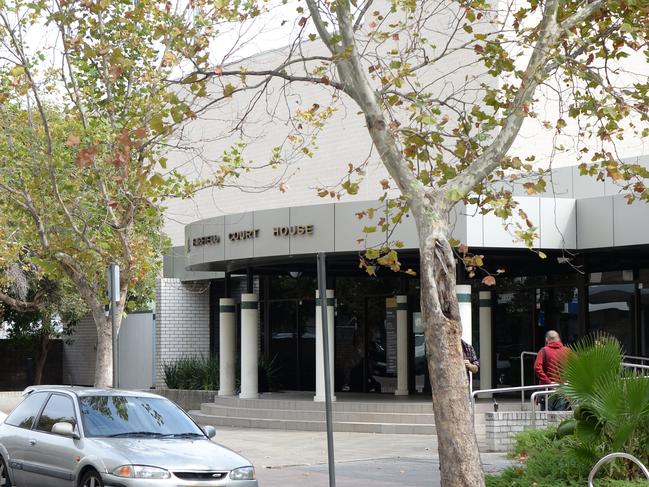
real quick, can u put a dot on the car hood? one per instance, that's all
(174, 454)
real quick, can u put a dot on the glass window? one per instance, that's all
(115, 416)
(611, 276)
(513, 314)
(611, 309)
(25, 413)
(644, 322)
(59, 409)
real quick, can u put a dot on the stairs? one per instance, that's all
(302, 414)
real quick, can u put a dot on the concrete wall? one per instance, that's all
(182, 322)
(186, 399)
(137, 351)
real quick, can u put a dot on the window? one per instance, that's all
(59, 409)
(25, 413)
(105, 416)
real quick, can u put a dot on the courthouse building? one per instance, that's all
(241, 278)
(253, 274)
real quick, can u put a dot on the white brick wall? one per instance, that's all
(182, 321)
(502, 427)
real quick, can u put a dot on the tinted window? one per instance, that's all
(136, 416)
(58, 409)
(25, 413)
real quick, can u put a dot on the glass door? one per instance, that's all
(284, 352)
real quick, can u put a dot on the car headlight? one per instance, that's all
(243, 473)
(141, 472)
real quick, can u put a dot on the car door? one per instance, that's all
(51, 459)
(17, 434)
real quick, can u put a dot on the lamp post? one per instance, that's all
(113, 297)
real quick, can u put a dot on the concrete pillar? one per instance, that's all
(249, 346)
(402, 346)
(319, 355)
(227, 347)
(463, 292)
(486, 352)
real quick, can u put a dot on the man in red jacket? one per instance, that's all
(547, 364)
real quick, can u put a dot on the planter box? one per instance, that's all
(186, 399)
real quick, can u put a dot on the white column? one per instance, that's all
(249, 346)
(486, 359)
(402, 346)
(319, 350)
(463, 292)
(227, 346)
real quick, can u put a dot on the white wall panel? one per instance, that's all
(558, 224)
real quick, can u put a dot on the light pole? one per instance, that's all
(113, 297)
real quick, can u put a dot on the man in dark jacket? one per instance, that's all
(547, 365)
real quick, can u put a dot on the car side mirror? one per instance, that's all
(210, 431)
(65, 429)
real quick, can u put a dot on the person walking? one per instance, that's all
(471, 362)
(547, 367)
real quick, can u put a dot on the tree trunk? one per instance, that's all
(44, 344)
(458, 446)
(104, 361)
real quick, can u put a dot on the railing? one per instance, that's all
(533, 403)
(610, 457)
(501, 390)
(625, 364)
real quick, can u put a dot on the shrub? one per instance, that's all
(196, 373)
(549, 461)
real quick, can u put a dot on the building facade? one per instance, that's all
(244, 287)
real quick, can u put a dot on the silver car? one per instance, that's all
(82, 437)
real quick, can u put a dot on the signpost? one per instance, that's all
(322, 286)
(113, 297)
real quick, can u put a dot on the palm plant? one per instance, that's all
(611, 403)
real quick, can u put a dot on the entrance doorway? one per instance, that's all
(291, 348)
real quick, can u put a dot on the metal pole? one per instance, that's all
(113, 294)
(322, 285)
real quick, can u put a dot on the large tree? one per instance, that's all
(84, 111)
(444, 88)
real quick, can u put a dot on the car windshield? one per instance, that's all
(124, 416)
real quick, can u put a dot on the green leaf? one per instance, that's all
(157, 124)
(157, 180)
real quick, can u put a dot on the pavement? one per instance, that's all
(284, 458)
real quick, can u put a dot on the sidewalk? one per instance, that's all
(292, 457)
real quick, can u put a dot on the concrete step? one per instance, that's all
(305, 425)
(387, 406)
(309, 415)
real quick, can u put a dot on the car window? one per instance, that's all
(25, 413)
(59, 408)
(127, 415)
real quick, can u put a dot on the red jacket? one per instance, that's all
(555, 353)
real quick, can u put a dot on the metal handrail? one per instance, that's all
(501, 390)
(610, 457)
(523, 373)
(534, 354)
(533, 404)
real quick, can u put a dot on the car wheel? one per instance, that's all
(4, 475)
(91, 479)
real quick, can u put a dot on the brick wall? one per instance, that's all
(502, 427)
(182, 321)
